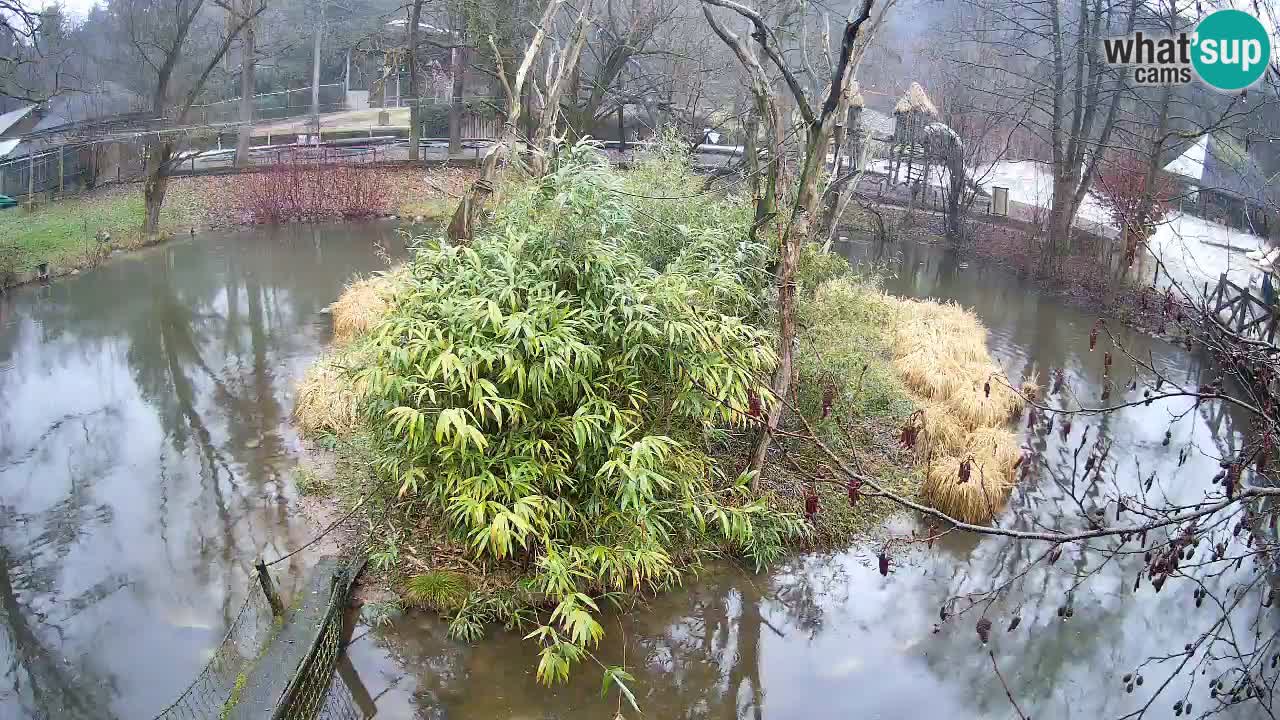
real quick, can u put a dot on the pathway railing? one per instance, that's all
(1242, 312)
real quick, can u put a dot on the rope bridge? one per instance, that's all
(279, 663)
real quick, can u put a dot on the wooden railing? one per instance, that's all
(1242, 312)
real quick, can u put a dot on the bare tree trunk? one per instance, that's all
(159, 153)
(470, 209)
(415, 118)
(563, 69)
(798, 230)
(248, 86)
(458, 66)
(315, 71)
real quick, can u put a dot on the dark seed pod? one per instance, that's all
(1093, 337)
(1138, 680)
(828, 399)
(1017, 620)
(1136, 582)
(1054, 554)
(811, 504)
(965, 470)
(753, 405)
(884, 562)
(986, 389)
(1168, 435)
(853, 487)
(984, 629)
(942, 612)
(1158, 582)
(1062, 611)
(1031, 418)
(1128, 688)
(1128, 677)
(1106, 361)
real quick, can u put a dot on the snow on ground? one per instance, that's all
(1192, 250)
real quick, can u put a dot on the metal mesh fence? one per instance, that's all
(339, 703)
(314, 692)
(272, 106)
(214, 688)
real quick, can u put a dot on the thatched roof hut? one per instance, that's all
(914, 100)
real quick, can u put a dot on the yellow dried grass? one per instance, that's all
(328, 398)
(939, 351)
(362, 305)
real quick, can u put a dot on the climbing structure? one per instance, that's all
(907, 156)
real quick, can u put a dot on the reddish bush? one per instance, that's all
(1134, 207)
(306, 188)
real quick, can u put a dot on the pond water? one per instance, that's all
(145, 456)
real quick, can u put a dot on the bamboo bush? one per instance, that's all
(549, 394)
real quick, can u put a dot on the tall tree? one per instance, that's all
(179, 45)
(817, 118)
(248, 78)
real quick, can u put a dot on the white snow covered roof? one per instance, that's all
(8, 119)
(7, 146)
(1190, 164)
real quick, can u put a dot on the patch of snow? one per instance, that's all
(1194, 251)
(1190, 164)
(7, 146)
(8, 119)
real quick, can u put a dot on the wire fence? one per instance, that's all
(315, 690)
(215, 687)
(279, 105)
(308, 694)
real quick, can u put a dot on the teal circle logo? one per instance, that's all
(1232, 50)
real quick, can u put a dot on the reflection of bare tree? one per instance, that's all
(41, 682)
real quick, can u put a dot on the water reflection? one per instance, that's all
(825, 636)
(144, 457)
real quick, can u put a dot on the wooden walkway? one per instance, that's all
(1242, 312)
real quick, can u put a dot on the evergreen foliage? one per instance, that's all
(550, 391)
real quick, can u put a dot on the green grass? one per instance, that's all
(63, 233)
(843, 352)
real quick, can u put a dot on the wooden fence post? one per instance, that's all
(62, 173)
(31, 179)
(269, 589)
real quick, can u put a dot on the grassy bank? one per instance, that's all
(559, 414)
(65, 233)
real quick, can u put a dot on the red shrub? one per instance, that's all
(306, 188)
(1134, 207)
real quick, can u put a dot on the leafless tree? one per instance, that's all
(169, 40)
(817, 123)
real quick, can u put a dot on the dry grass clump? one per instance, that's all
(328, 397)
(941, 355)
(363, 304)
